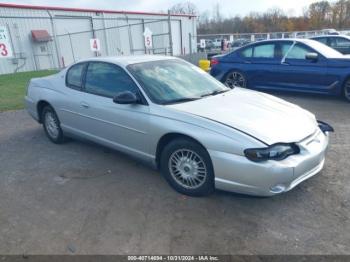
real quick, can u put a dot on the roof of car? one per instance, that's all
(302, 40)
(128, 60)
(322, 36)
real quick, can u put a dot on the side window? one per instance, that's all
(107, 80)
(74, 76)
(322, 40)
(333, 42)
(247, 52)
(342, 42)
(285, 48)
(298, 52)
(264, 51)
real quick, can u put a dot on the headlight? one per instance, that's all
(278, 151)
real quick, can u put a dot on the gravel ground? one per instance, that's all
(80, 198)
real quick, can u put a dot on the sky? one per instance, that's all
(228, 7)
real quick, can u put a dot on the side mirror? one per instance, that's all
(311, 56)
(126, 97)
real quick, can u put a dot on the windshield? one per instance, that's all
(174, 81)
(323, 49)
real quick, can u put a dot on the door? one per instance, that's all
(297, 73)
(73, 38)
(259, 62)
(68, 105)
(123, 125)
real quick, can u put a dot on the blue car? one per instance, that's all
(301, 65)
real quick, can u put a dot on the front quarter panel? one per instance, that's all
(212, 135)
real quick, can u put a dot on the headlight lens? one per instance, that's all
(278, 151)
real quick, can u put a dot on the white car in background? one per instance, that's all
(217, 43)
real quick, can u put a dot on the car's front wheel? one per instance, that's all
(346, 90)
(235, 79)
(52, 125)
(187, 167)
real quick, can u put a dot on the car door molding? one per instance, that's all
(105, 121)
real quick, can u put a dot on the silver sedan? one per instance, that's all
(199, 133)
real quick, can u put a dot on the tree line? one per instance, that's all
(318, 15)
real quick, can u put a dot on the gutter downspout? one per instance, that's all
(54, 38)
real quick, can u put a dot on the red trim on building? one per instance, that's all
(86, 10)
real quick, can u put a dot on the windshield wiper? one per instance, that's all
(216, 92)
(180, 100)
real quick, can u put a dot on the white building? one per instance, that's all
(53, 37)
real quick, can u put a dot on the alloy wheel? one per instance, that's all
(347, 90)
(51, 125)
(187, 168)
(235, 79)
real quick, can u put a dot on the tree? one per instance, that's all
(319, 14)
(341, 14)
(217, 12)
(184, 8)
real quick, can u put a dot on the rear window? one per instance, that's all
(322, 40)
(74, 77)
(259, 51)
(264, 51)
(248, 52)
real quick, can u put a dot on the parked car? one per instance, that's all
(199, 133)
(330, 31)
(208, 45)
(340, 43)
(301, 65)
(217, 43)
(259, 39)
(239, 42)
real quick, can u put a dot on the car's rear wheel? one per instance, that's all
(235, 79)
(346, 90)
(187, 167)
(52, 125)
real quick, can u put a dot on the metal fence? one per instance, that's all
(70, 34)
(123, 39)
(235, 40)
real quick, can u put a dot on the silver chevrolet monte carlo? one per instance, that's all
(201, 134)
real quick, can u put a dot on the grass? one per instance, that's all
(13, 88)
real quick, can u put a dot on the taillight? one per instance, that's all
(214, 61)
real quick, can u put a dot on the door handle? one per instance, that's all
(247, 62)
(84, 105)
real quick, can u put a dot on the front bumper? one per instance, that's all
(236, 173)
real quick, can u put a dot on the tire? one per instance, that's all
(346, 90)
(235, 79)
(51, 125)
(187, 168)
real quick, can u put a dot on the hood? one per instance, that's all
(265, 117)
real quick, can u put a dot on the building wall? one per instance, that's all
(119, 34)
